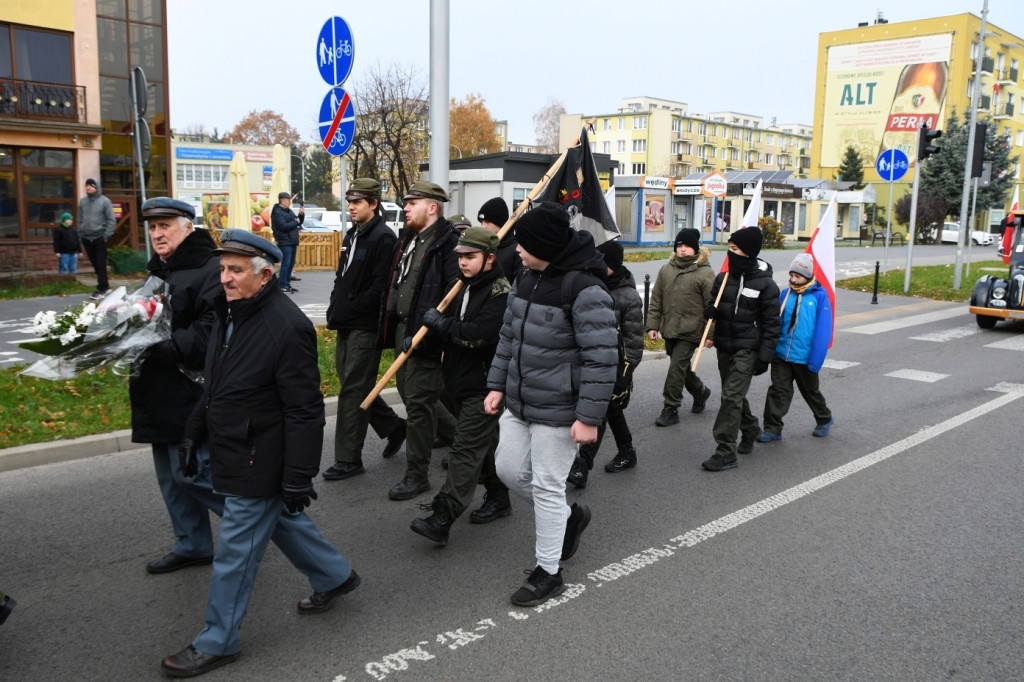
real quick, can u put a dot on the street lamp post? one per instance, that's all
(457, 147)
(303, 162)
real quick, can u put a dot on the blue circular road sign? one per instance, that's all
(337, 121)
(334, 51)
(892, 164)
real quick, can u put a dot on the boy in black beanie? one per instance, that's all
(747, 329)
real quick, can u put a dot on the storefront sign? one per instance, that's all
(655, 183)
(259, 156)
(201, 154)
(715, 185)
(769, 190)
(687, 190)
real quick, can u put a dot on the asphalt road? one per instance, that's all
(890, 550)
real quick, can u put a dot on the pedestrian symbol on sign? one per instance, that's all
(334, 50)
(337, 123)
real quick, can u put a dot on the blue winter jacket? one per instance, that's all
(805, 342)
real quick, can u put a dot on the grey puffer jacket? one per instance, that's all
(556, 367)
(95, 217)
(681, 292)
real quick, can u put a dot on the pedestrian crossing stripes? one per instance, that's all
(910, 321)
(917, 375)
(949, 334)
(1015, 342)
(838, 364)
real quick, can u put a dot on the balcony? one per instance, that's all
(985, 102)
(42, 101)
(1003, 111)
(1008, 77)
(987, 65)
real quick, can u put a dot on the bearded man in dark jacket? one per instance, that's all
(162, 396)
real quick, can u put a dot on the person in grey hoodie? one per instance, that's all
(95, 227)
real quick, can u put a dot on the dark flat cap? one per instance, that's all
(245, 243)
(165, 206)
(477, 239)
(363, 188)
(426, 190)
(284, 195)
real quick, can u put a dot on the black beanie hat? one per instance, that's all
(690, 237)
(544, 230)
(90, 183)
(612, 252)
(494, 210)
(749, 240)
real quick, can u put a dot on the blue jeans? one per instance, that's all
(287, 263)
(68, 263)
(187, 509)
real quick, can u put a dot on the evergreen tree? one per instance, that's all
(943, 173)
(851, 168)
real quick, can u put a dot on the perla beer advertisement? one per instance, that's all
(878, 94)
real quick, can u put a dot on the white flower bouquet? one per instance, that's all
(115, 332)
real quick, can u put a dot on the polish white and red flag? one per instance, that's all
(1007, 242)
(822, 248)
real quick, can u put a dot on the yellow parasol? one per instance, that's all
(280, 179)
(239, 211)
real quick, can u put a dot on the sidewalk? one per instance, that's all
(36, 454)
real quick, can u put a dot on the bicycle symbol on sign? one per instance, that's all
(344, 48)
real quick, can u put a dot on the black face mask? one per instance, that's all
(741, 264)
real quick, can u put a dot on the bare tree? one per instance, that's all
(545, 126)
(391, 130)
(263, 128)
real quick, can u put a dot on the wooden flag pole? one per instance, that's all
(707, 327)
(457, 287)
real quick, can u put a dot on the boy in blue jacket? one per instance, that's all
(806, 334)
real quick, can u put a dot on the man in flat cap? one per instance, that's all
(424, 269)
(460, 223)
(95, 226)
(262, 416)
(162, 396)
(285, 225)
(469, 330)
(355, 312)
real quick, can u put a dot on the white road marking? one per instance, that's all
(1015, 342)
(916, 375)
(838, 364)
(950, 334)
(904, 322)
(401, 660)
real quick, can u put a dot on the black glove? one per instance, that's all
(437, 321)
(760, 367)
(298, 497)
(187, 458)
(162, 351)
(711, 312)
(406, 346)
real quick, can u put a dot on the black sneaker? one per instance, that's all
(669, 416)
(579, 519)
(538, 588)
(578, 474)
(719, 463)
(342, 470)
(699, 403)
(746, 446)
(624, 459)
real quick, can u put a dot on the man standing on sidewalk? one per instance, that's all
(355, 312)
(95, 227)
(285, 225)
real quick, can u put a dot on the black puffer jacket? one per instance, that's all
(65, 240)
(748, 314)
(161, 396)
(629, 318)
(557, 367)
(472, 338)
(438, 273)
(356, 298)
(262, 411)
(285, 225)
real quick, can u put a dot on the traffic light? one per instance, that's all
(925, 142)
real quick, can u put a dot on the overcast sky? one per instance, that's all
(228, 58)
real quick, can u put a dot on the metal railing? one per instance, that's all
(42, 101)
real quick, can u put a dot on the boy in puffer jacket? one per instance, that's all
(806, 334)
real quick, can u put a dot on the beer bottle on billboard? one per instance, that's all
(919, 96)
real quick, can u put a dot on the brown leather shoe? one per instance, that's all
(318, 602)
(173, 562)
(190, 662)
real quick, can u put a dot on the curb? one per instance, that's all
(37, 454)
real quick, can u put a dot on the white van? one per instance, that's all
(336, 220)
(394, 216)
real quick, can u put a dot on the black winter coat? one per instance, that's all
(356, 298)
(470, 341)
(508, 257)
(438, 273)
(66, 240)
(285, 225)
(262, 411)
(161, 396)
(748, 314)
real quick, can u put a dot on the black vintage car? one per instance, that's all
(995, 298)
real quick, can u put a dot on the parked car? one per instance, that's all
(337, 220)
(314, 225)
(951, 235)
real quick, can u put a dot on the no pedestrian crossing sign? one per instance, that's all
(892, 164)
(337, 121)
(334, 51)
